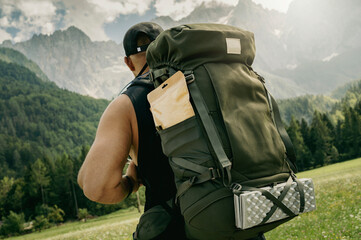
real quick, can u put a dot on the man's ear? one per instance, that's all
(129, 63)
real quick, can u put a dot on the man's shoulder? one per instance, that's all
(143, 81)
(118, 115)
(121, 104)
(138, 88)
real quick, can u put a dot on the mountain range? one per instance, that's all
(312, 49)
(74, 62)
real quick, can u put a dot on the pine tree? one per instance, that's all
(351, 131)
(6, 185)
(39, 174)
(64, 187)
(322, 149)
(358, 128)
(305, 131)
(302, 152)
(338, 137)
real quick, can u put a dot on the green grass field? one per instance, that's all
(338, 202)
(117, 225)
(338, 213)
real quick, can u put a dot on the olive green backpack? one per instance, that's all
(235, 143)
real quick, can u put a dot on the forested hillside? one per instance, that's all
(38, 119)
(329, 136)
(12, 56)
(305, 106)
(45, 133)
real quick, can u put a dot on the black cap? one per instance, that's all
(152, 30)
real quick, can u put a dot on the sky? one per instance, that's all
(101, 20)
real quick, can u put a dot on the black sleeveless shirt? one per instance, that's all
(153, 167)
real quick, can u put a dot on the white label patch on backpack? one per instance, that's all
(233, 45)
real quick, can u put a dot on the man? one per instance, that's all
(127, 128)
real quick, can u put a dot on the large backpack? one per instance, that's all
(235, 143)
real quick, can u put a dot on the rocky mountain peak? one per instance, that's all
(71, 33)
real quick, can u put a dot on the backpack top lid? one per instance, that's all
(188, 46)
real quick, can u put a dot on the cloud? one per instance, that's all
(91, 15)
(27, 17)
(4, 22)
(6, 8)
(4, 36)
(81, 14)
(111, 9)
(182, 8)
(37, 9)
(20, 19)
(279, 5)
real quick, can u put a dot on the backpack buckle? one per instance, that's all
(192, 180)
(214, 173)
(151, 76)
(236, 187)
(189, 77)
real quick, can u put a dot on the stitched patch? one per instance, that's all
(233, 45)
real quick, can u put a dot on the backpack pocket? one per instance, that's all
(212, 216)
(169, 103)
(214, 211)
(153, 223)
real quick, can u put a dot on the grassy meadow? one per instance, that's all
(338, 205)
(338, 213)
(117, 225)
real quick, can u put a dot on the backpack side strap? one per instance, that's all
(210, 129)
(301, 190)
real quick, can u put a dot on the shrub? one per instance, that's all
(56, 214)
(41, 222)
(13, 224)
(42, 209)
(83, 214)
(53, 214)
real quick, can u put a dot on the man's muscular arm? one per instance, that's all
(101, 176)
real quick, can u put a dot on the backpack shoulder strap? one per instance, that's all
(144, 82)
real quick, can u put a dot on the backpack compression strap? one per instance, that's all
(210, 128)
(204, 174)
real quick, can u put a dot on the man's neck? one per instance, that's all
(142, 70)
